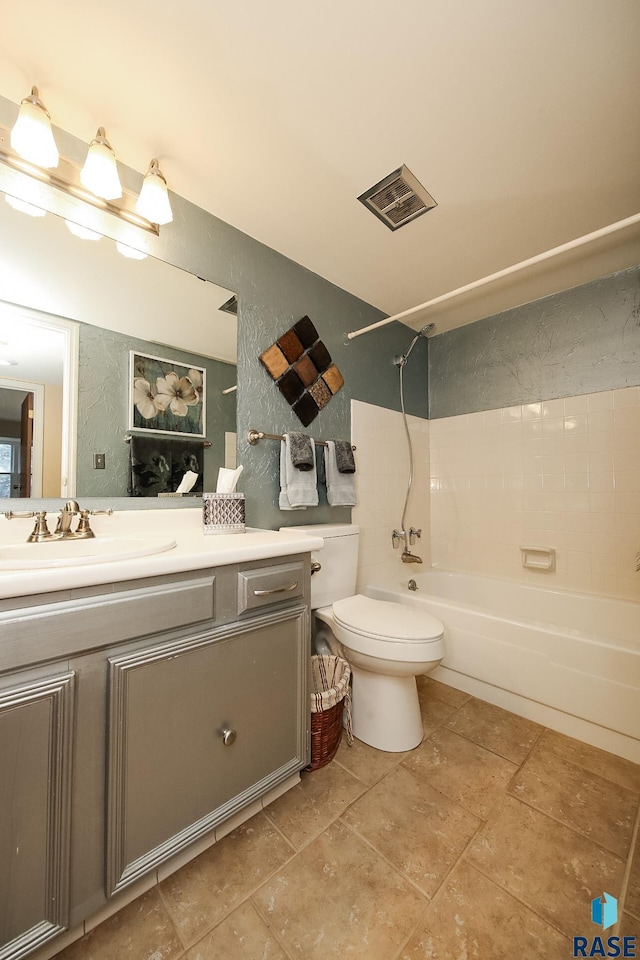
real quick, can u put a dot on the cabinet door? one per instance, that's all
(35, 760)
(199, 728)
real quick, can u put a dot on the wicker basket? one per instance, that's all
(329, 694)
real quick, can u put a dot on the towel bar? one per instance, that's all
(254, 436)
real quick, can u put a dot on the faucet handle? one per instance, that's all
(413, 533)
(84, 530)
(396, 537)
(40, 530)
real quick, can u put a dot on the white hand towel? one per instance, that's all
(298, 488)
(341, 487)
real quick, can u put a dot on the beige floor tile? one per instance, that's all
(339, 898)
(441, 691)
(601, 810)
(140, 931)
(463, 771)
(366, 763)
(498, 730)
(606, 765)
(319, 799)
(473, 918)
(242, 936)
(203, 892)
(628, 927)
(434, 713)
(546, 865)
(418, 829)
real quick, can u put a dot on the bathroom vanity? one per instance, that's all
(142, 704)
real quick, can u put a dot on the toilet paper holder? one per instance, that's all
(538, 558)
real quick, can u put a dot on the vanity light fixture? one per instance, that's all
(83, 233)
(153, 202)
(100, 171)
(32, 136)
(23, 207)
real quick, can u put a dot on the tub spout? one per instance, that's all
(408, 557)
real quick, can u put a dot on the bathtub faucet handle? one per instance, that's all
(413, 533)
(396, 537)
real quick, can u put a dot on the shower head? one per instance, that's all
(426, 330)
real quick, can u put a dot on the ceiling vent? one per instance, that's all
(398, 199)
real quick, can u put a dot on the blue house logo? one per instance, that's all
(604, 910)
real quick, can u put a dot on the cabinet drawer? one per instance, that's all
(61, 629)
(268, 585)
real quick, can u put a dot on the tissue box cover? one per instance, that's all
(223, 512)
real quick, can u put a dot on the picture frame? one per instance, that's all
(166, 396)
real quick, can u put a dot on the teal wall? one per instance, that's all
(579, 341)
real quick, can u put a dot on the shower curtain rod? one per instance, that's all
(539, 258)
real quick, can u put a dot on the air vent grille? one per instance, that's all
(398, 199)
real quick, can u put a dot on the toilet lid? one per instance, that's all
(386, 619)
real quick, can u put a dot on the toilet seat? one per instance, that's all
(385, 620)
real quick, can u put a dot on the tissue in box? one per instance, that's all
(223, 512)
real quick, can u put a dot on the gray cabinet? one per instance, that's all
(197, 729)
(134, 718)
(35, 808)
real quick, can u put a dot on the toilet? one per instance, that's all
(386, 644)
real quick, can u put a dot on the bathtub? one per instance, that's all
(567, 660)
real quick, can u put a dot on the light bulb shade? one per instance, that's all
(130, 252)
(153, 202)
(83, 233)
(31, 136)
(23, 206)
(100, 171)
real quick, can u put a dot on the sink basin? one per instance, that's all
(66, 553)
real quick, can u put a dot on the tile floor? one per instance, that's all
(488, 841)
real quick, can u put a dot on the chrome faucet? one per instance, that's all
(63, 528)
(83, 531)
(409, 539)
(408, 557)
(63, 531)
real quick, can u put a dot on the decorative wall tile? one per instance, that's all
(291, 346)
(306, 332)
(333, 378)
(295, 362)
(305, 409)
(320, 393)
(275, 361)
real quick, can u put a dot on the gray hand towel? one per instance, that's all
(302, 452)
(345, 461)
(341, 487)
(297, 489)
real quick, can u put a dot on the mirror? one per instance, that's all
(73, 312)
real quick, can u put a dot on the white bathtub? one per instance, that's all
(567, 660)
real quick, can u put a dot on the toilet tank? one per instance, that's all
(339, 560)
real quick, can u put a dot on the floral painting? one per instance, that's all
(166, 396)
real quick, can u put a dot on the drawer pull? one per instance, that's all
(229, 737)
(268, 593)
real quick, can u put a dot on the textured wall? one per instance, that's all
(273, 292)
(103, 405)
(579, 341)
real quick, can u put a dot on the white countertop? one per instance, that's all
(193, 550)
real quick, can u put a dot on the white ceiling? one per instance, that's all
(522, 119)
